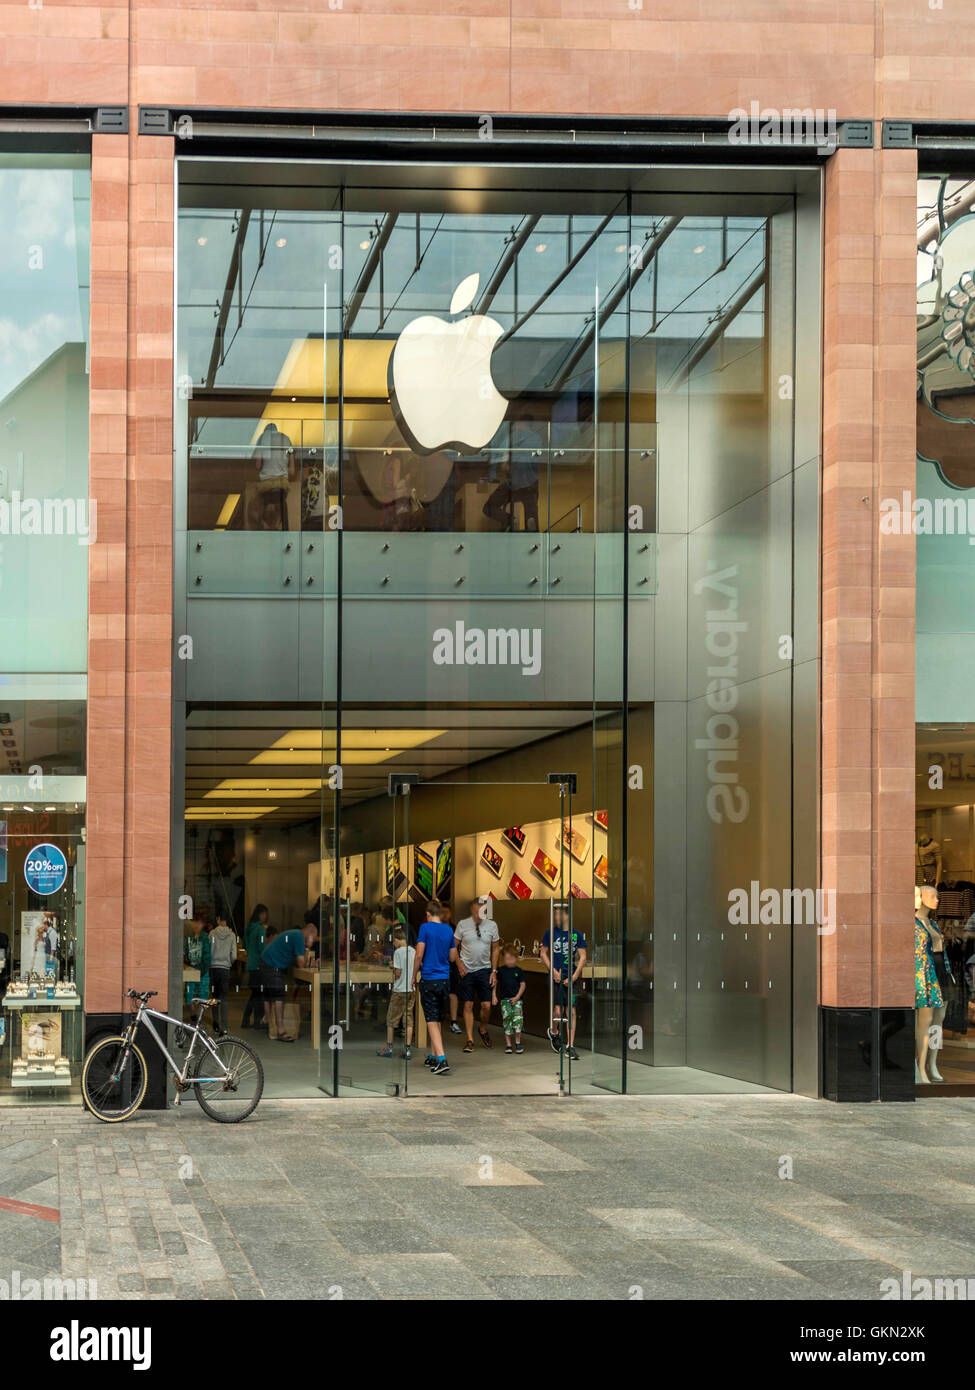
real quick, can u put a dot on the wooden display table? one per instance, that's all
(358, 974)
(361, 974)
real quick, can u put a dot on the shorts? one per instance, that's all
(273, 982)
(433, 999)
(512, 1016)
(560, 995)
(400, 1007)
(476, 984)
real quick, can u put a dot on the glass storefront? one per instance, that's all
(496, 580)
(46, 528)
(942, 516)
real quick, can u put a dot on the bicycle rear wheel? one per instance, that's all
(113, 1080)
(229, 1099)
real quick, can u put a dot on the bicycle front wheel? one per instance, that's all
(114, 1079)
(232, 1097)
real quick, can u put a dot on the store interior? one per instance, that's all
(481, 821)
(945, 860)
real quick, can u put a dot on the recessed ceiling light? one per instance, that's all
(620, 250)
(364, 245)
(281, 241)
(542, 246)
(698, 250)
(202, 240)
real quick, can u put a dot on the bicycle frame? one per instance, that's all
(145, 1015)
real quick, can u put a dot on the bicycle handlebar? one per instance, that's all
(148, 994)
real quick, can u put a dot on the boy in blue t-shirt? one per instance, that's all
(435, 950)
(564, 954)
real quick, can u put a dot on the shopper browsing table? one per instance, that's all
(435, 950)
(288, 948)
(477, 948)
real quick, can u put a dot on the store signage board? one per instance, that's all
(45, 869)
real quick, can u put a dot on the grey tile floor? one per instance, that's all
(515, 1198)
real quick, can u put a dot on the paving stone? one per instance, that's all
(634, 1199)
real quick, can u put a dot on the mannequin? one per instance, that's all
(927, 859)
(928, 998)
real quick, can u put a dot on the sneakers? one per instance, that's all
(485, 1037)
(440, 1068)
(407, 1054)
(468, 1046)
(572, 1055)
(429, 1060)
(386, 1051)
(519, 1047)
(555, 1038)
(455, 1026)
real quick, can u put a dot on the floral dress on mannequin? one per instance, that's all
(927, 991)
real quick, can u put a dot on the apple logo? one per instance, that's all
(440, 383)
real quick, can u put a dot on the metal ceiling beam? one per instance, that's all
(368, 270)
(566, 270)
(648, 254)
(227, 298)
(726, 316)
(506, 262)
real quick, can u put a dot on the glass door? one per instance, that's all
(501, 871)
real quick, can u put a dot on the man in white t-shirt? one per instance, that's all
(274, 459)
(402, 995)
(477, 962)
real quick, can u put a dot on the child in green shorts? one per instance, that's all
(509, 987)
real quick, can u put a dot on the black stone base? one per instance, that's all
(96, 1024)
(867, 1054)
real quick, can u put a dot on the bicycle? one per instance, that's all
(114, 1076)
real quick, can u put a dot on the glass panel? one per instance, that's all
(256, 436)
(722, 323)
(423, 532)
(47, 525)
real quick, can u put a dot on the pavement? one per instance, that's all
(717, 1197)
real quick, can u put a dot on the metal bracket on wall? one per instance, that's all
(564, 779)
(855, 135)
(400, 782)
(155, 120)
(897, 135)
(112, 120)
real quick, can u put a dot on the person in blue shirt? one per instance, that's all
(564, 954)
(288, 948)
(435, 951)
